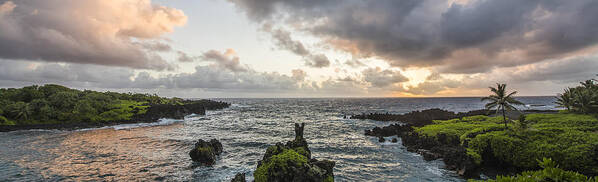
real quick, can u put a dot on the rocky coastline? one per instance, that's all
(419, 118)
(291, 162)
(153, 114)
(449, 149)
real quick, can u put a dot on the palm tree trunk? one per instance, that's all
(504, 118)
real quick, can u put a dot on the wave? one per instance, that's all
(160, 122)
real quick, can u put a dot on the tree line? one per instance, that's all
(58, 104)
(580, 99)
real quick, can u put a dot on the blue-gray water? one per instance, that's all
(148, 152)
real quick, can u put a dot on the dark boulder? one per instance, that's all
(206, 152)
(217, 146)
(391, 130)
(292, 162)
(381, 139)
(427, 154)
(394, 140)
(419, 118)
(240, 177)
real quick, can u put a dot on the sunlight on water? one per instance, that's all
(159, 151)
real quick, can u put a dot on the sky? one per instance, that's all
(300, 48)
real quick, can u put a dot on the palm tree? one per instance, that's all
(565, 99)
(20, 110)
(584, 100)
(501, 100)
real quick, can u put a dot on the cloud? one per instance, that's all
(183, 57)
(317, 61)
(457, 37)
(227, 59)
(298, 74)
(155, 46)
(209, 77)
(284, 41)
(113, 33)
(354, 63)
(542, 78)
(382, 78)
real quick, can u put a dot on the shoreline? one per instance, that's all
(71, 126)
(452, 153)
(153, 115)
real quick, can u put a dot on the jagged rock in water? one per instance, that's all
(292, 162)
(217, 146)
(206, 152)
(391, 130)
(381, 139)
(240, 177)
(394, 140)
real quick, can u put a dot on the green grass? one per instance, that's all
(569, 139)
(461, 128)
(123, 110)
(280, 161)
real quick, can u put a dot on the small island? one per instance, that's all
(57, 107)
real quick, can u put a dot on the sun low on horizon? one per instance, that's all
(304, 48)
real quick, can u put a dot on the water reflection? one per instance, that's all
(159, 153)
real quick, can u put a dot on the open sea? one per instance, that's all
(159, 151)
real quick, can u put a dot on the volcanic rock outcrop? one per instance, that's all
(292, 162)
(205, 152)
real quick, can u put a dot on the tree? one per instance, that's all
(580, 99)
(20, 110)
(501, 100)
(565, 99)
(584, 100)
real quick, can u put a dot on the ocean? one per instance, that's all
(159, 151)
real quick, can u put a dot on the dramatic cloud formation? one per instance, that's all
(346, 47)
(546, 77)
(471, 37)
(228, 60)
(284, 41)
(382, 78)
(91, 32)
(204, 77)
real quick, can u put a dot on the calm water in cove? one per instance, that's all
(158, 151)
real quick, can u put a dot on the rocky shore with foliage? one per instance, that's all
(470, 144)
(419, 118)
(500, 145)
(58, 107)
(292, 162)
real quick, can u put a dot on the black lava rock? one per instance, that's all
(206, 152)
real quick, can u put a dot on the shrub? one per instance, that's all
(551, 172)
(279, 162)
(569, 139)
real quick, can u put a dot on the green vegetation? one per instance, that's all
(52, 104)
(580, 99)
(550, 172)
(570, 139)
(501, 100)
(567, 140)
(279, 162)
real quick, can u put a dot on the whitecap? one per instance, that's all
(161, 122)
